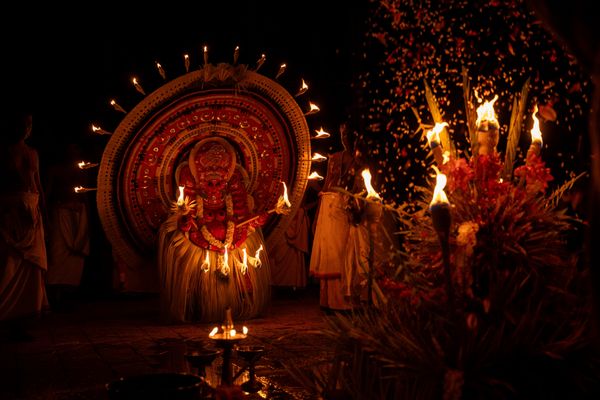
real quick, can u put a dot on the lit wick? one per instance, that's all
(205, 55)
(117, 107)
(100, 131)
(260, 61)
(137, 86)
(536, 136)
(441, 219)
(81, 189)
(186, 62)
(313, 109)
(236, 54)
(282, 68)
(487, 127)
(315, 176)
(302, 90)
(433, 138)
(318, 158)
(321, 134)
(86, 165)
(161, 70)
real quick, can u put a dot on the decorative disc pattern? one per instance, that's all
(257, 116)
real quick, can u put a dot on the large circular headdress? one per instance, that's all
(253, 114)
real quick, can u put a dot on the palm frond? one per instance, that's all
(469, 109)
(514, 129)
(434, 109)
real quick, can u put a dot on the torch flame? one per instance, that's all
(433, 135)
(317, 157)
(315, 176)
(257, 254)
(81, 164)
(313, 107)
(181, 198)
(321, 134)
(285, 196)
(134, 80)
(95, 128)
(213, 332)
(371, 193)
(439, 196)
(485, 112)
(536, 133)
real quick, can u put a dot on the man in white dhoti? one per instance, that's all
(22, 249)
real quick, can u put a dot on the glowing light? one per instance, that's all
(485, 112)
(117, 107)
(315, 176)
(205, 55)
(244, 264)
(137, 86)
(161, 70)
(86, 165)
(236, 54)
(285, 199)
(318, 158)
(206, 263)
(245, 330)
(439, 196)
(303, 89)
(433, 135)
(536, 133)
(282, 68)
(257, 254)
(213, 332)
(371, 193)
(81, 189)
(260, 61)
(100, 131)
(181, 198)
(313, 108)
(321, 134)
(186, 62)
(225, 267)
(232, 332)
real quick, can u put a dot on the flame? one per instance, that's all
(317, 157)
(315, 176)
(213, 332)
(321, 134)
(485, 112)
(244, 266)
(206, 263)
(313, 108)
(181, 198)
(282, 68)
(257, 254)
(536, 133)
(304, 86)
(433, 135)
(371, 193)
(285, 197)
(85, 165)
(245, 330)
(439, 196)
(232, 332)
(78, 189)
(113, 103)
(95, 128)
(134, 80)
(206, 49)
(445, 157)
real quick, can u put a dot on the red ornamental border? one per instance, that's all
(136, 182)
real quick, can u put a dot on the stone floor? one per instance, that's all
(74, 354)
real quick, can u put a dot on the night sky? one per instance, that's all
(68, 63)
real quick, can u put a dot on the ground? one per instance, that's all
(74, 354)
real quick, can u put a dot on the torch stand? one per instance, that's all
(373, 213)
(440, 215)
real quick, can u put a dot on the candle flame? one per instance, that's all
(134, 80)
(232, 332)
(161, 70)
(285, 196)
(313, 108)
(321, 134)
(282, 68)
(181, 198)
(536, 133)
(86, 165)
(257, 254)
(433, 135)
(371, 193)
(245, 330)
(81, 189)
(116, 106)
(485, 112)
(213, 332)
(315, 176)
(318, 157)
(303, 88)
(439, 196)
(99, 130)
(186, 62)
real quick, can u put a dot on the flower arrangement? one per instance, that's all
(510, 320)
